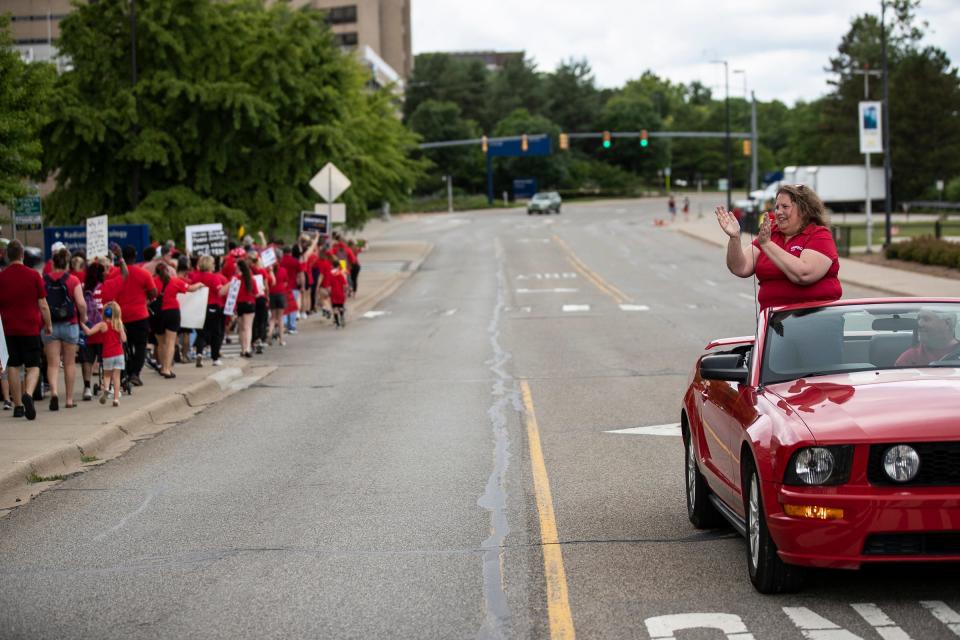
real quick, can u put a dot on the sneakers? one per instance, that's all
(29, 410)
(103, 397)
(136, 381)
(291, 332)
(217, 363)
(199, 361)
(87, 394)
(7, 405)
(18, 412)
(259, 349)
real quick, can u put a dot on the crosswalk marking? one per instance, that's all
(634, 307)
(561, 290)
(568, 308)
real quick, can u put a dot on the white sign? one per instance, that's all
(4, 354)
(337, 211)
(939, 185)
(97, 244)
(329, 182)
(871, 135)
(230, 306)
(268, 256)
(193, 308)
(189, 230)
(258, 282)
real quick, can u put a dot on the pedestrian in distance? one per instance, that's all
(672, 207)
(686, 208)
(169, 324)
(23, 311)
(278, 302)
(212, 332)
(67, 305)
(111, 326)
(90, 351)
(246, 305)
(338, 287)
(134, 288)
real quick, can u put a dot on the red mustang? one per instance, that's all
(831, 438)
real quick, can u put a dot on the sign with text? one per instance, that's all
(337, 211)
(193, 308)
(98, 244)
(313, 221)
(191, 232)
(75, 237)
(259, 284)
(871, 135)
(208, 243)
(330, 182)
(28, 213)
(269, 257)
(230, 306)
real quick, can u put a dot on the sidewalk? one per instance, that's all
(66, 442)
(891, 281)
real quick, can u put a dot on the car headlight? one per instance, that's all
(819, 466)
(901, 462)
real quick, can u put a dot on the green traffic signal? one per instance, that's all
(606, 144)
(644, 142)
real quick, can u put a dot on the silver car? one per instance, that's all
(544, 202)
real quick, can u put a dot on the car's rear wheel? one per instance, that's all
(768, 573)
(700, 511)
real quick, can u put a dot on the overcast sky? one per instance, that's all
(782, 46)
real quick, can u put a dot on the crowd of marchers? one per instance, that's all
(115, 315)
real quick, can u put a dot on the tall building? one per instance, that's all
(35, 25)
(379, 30)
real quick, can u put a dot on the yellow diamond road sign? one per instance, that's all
(330, 182)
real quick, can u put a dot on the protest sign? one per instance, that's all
(97, 242)
(206, 239)
(193, 308)
(4, 354)
(258, 280)
(268, 256)
(230, 306)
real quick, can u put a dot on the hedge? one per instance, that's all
(927, 250)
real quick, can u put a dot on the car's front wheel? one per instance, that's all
(700, 510)
(768, 573)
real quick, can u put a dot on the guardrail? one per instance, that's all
(930, 204)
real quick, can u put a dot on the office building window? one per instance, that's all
(342, 15)
(39, 18)
(346, 39)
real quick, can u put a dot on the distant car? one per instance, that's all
(830, 439)
(544, 202)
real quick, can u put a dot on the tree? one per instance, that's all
(517, 85)
(550, 171)
(25, 93)
(235, 107)
(572, 99)
(434, 120)
(441, 77)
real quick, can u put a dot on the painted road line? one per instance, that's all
(570, 308)
(558, 601)
(547, 290)
(746, 296)
(672, 429)
(618, 296)
(942, 612)
(374, 314)
(881, 622)
(634, 307)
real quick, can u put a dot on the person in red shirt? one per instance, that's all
(90, 351)
(170, 316)
(112, 339)
(246, 305)
(795, 260)
(336, 284)
(23, 306)
(212, 332)
(78, 266)
(354, 252)
(67, 304)
(132, 292)
(278, 302)
(936, 339)
(261, 314)
(291, 264)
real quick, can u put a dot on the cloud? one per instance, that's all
(783, 48)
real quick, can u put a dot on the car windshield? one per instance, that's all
(541, 196)
(846, 338)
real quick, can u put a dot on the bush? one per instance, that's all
(927, 250)
(952, 191)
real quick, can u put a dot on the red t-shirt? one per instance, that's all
(776, 289)
(336, 282)
(71, 283)
(213, 282)
(293, 269)
(21, 287)
(920, 356)
(229, 268)
(130, 293)
(281, 281)
(174, 286)
(246, 296)
(112, 344)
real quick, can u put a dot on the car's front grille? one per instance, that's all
(913, 544)
(939, 465)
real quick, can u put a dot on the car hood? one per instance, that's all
(906, 404)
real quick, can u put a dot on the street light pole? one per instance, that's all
(726, 81)
(754, 178)
(866, 73)
(888, 196)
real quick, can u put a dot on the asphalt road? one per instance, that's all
(386, 481)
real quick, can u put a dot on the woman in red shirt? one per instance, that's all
(246, 305)
(278, 302)
(795, 260)
(169, 323)
(212, 332)
(336, 284)
(65, 298)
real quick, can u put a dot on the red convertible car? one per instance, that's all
(831, 438)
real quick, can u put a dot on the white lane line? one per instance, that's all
(375, 314)
(449, 312)
(747, 296)
(672, 429)
(815, 627)
(634, 307)
(711, 283)
(568, 308)
(942, 612)
(691, 306)
(547, 290)
(536, 240)
(881, 622)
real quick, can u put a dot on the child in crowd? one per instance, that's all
(114, 337)
(335, 282)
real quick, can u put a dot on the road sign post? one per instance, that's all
(330, 183)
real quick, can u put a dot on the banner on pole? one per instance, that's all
(871, 133)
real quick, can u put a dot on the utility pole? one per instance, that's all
(886, 125)
(866, 73)
(135, 186)
(726, 81)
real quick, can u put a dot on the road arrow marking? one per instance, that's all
(375, 314)
(655, 430)
(634, 307)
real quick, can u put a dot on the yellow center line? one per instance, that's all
(558, 601)
(618, 296)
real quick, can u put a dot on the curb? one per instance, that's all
(390, 286)
(116, 437)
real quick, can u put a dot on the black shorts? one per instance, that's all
(278, 301)
(170, 320)
(245, 308)
(89, 353)
(24, 351)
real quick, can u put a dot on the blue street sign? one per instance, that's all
(536, 146)
(76, 237)
(524, 187)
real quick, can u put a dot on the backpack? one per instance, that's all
(62, 308)
(93, 314)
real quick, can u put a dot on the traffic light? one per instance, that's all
(644, 142)
(746, 147)
(564, 142)
(606, 140)
(524, 143)
(483, 144)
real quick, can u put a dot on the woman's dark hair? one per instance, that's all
(149, 253)
(808, 203)
(60, 260)
(94, 277)
(183, 264)
(297, 251)
(245, 275)
(163, 272)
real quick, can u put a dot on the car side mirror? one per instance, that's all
(731, 367)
